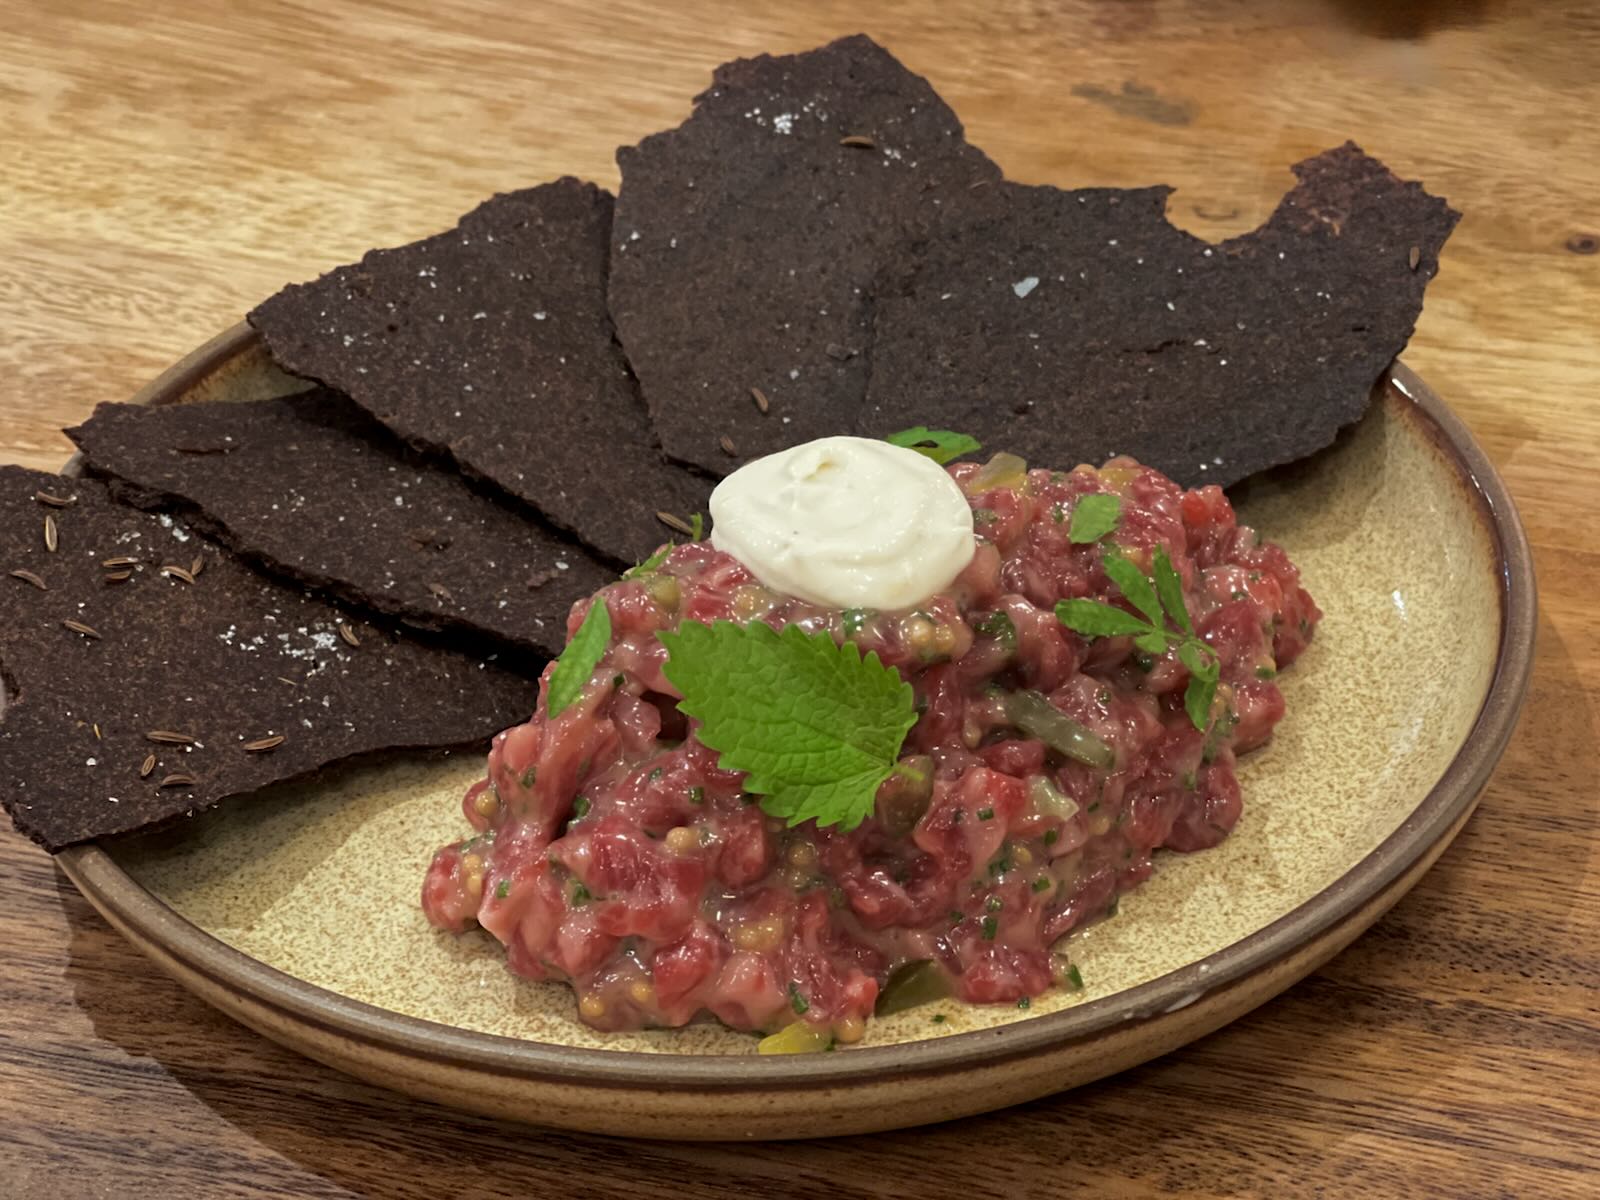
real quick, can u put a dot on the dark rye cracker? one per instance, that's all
(315, 489)
(1070, 326)
(491, 342)
(746, 241)
(205, 676)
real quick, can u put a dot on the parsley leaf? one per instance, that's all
(1140, 592)
(1093, 619)
(1170, 588)
(1161, 601)
(815, 727)
(1204, 670)
(579, 659)
(651, 563)
(938, 444)
(1094, 516)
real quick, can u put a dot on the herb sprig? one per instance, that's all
(1164, 623)
(941, 445)
(1094, 516)
(578, 661)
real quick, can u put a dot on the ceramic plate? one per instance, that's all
(296, 911)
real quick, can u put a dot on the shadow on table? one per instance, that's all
(1288, 1084)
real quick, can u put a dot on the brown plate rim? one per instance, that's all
(98, 874)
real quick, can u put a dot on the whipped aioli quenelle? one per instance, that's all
(846, 522)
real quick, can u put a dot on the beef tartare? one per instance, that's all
(1053, 751)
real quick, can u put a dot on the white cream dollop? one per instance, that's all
(846, 522)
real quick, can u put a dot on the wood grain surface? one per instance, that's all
(165, 165)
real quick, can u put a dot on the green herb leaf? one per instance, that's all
(1198, 657)
(999, 626)
(1170, 588)
(651, 563)
(1154, 642)
(1204, 670)
(1093, 619)
(938, 444)
(816, 727)
(1094, 516)
(697, 527)
(579, 659)
(1133, 584)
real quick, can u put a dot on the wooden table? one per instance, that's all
(163, 166)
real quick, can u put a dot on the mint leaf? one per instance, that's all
(1093, 619)
(815, 727)
(579, 659)
(1139, 591)
(1170, 588)
(938, 444)
(1093, 517)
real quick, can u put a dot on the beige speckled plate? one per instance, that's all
(297, 912)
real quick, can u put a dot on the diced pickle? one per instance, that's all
(798, 1037)
(911, 984)
(1049, 800)
(664, 591)
(904, 796)
(1033, 713)
(1002, 471)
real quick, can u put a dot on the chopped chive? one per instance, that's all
(529, 776)
(1024, 1002)
(580, 895)
(697, 795)
(986, 814)
(1042, 884)
(938, 1018)
(580, 807)
(1075, 978)
(991, 926)
(1051, 836)
(502, 889)
(994, 904)
(1265, 673)
(657, 773)
(796, 1001)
